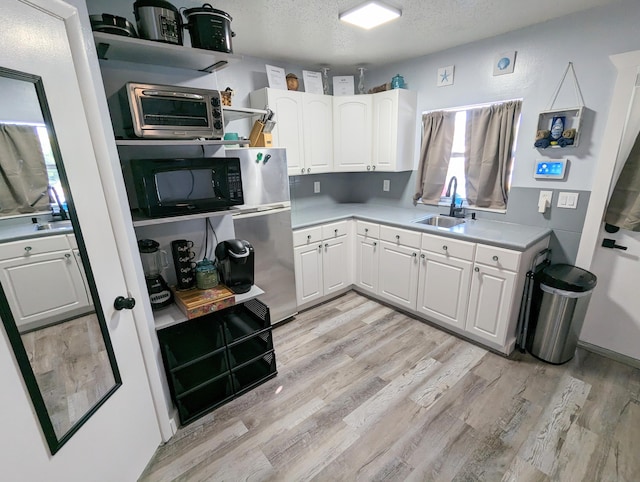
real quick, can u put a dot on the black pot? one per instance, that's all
(159, 21)
(105, 22)
(209, 28)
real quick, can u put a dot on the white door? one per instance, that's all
(490, 303)
(352, 133)
(613, 317)
(335, 262)
(443, 288)
(118, 439)
(317, 111)
(308, 268)
(398, 274)
(367, 263)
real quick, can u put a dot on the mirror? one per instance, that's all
(48, 300)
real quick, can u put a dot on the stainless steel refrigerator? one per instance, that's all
(265, 221)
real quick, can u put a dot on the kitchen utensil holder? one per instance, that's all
(259, 138)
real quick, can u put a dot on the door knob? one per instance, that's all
(611, 243)
(122, 303)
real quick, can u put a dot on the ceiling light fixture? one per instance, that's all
(370, 14)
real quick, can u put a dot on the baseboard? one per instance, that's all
(619, 357)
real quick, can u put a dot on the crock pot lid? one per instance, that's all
(567, 277)
(148, 245)
(154, 3)
(206, 9)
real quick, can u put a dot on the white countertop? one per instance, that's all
(14, 231)
(495, 233)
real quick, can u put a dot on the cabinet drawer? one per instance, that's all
(307, 236)
(498, 257)
(366, 229)
(400, 236)
(27, 247)
(335, 230)
(448, 246)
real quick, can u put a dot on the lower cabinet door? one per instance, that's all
(308, 268)
(367, 264)
(335, 265)
(490, 302)
(54, 276)
(443, 288)
(398, 274)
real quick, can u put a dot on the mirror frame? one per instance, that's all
(54, 441)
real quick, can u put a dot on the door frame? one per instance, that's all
(627, 65)
(75, 16)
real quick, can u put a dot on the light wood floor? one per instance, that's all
(366, 393)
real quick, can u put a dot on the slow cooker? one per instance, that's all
(158, 20)
(209, 28)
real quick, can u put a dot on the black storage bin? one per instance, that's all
(190, 376)
(245, 320)
(190, 340)
(251, 374)
(205, 399)
(250, 348)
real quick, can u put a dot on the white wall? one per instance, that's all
(543, 51)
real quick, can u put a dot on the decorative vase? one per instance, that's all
(292, 82)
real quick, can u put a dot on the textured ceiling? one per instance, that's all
(308, 32)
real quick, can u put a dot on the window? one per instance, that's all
(483, 168)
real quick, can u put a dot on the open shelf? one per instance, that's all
(178, 142)
(140, 51)
(234, 113)
(171, 315)
(140, 220)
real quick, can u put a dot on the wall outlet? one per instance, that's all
(316, 187)
(386, 184)
(544, 201)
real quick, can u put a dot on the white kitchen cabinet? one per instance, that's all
(303, 126)
(352, 132)
(322, 259)
(444, 279)
(394, 130)
(398, 266)
(493, 286)
(367, 254)
(45, 266)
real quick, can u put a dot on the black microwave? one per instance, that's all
(173, 187)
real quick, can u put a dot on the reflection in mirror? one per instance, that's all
(48, 299)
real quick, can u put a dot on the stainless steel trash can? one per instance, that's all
(566, 291)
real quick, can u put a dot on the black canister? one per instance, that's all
(209, 28)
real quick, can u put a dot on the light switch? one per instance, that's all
(568, 200)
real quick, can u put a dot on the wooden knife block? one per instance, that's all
(257, 138)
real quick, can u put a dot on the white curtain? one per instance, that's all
(490, 136)
(435, 152)
(23, 173)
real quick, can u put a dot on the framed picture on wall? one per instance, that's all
(504, 63)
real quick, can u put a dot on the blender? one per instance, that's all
(154, 260)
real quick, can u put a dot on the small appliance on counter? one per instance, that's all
(159, 21)
(155, 260)
(236, 263)
(209, 28)
(107, 23)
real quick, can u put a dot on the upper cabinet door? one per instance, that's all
(394, 127)
(352, 116)
(317, 112)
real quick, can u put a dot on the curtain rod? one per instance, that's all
(469, 107)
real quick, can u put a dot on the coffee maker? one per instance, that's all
(236, 263)
(155, 260)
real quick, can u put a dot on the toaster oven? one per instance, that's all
(171, 112)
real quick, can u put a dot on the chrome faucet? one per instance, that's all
(452, 209)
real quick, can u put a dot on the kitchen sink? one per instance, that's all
(53, 225)
(440, 221)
